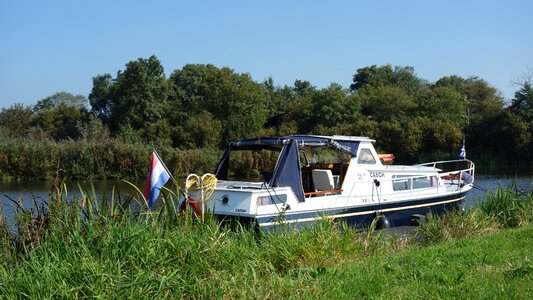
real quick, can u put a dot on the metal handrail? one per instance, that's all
(470, 169)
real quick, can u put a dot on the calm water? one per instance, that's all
(39, 190)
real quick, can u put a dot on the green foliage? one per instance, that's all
(68, 99)
(137, 95)
(233, 99)
(403, 78)
(16, 120)
(22, 160)
(61, 122)
(509, 206)
(202, 131)
(100, 97)
(454, 225)
(444, 104)
(93, 130)
(504, 208)
(333, 106)
(277, 97)
(203, 106)
(522, 103)
(386, 103)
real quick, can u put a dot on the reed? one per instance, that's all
(454, 225)
(508, 206)
(21, 159)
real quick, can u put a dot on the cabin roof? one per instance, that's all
(302, 140)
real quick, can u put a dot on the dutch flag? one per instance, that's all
(156, 179)
(462, 153)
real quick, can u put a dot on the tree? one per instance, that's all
(482, 99)
(298, 115)
(62, 121)
(454, 82)
(17, 119)
(303, 88)
(100, 97)
(386, 103)
(77, 101)
(400, 77)
(443, 103)
(277, 98)
(202, 131)
(522, 103)
(333, 106)
(137, 96)
(234, 99)
(373, 75)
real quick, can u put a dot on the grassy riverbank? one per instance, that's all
(90, 248)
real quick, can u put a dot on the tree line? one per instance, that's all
(204, 107)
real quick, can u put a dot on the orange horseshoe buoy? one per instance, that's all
(195, 205)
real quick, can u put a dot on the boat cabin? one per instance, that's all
(311, 165)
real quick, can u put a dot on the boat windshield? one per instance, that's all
(321, 155)
(252, 165)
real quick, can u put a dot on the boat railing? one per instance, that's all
(445, 163)
(462, 175)
(431, 183)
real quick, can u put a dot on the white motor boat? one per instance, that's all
(334, 177)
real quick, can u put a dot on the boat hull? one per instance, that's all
(399, 213)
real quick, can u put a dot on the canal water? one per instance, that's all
(38, 191)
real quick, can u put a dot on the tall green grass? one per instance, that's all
(115, 247)
(509, 206)
(91, 247)
(506, 207)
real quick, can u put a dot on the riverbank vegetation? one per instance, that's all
(105, 159)
(115, 247)
(204, 107)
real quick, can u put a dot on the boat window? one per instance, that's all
(273, 199)
(320, 155)
(366, 157)
(401, 183)
(406, 182)
(421, 182)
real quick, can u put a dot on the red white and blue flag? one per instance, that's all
(156, 179)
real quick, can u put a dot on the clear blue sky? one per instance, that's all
(52, 46)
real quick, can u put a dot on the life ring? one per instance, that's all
(195, 205)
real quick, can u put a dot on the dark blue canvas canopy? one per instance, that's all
(276, 143)
(287, 170)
